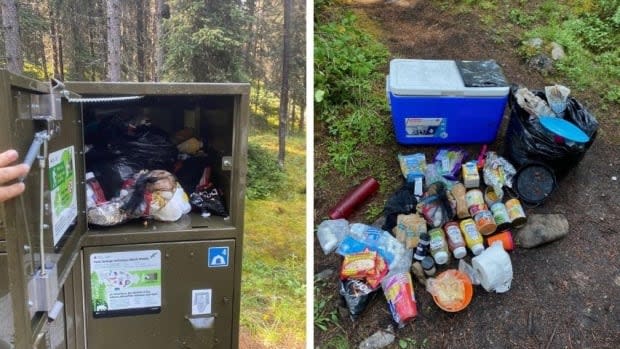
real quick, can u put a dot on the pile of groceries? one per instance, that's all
(448, 210)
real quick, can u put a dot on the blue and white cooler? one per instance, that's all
(446, 102)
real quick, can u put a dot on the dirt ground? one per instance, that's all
(564, 294)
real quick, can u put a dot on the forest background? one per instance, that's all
(256, 41)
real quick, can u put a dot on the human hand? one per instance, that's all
(9, 173)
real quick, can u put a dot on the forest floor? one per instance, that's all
(274, 261)
(564, 294)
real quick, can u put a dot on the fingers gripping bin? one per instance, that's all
(439, 102)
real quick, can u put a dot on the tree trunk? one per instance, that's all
(12, 43)
(54, 39)
(61, 62)
(43, 57)
(252, 32)
(292, 127)
(141, 65)
(284, 87)
(114, 40)
(301, 119)
(159, 31)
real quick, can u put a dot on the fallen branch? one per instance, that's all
(551, 338)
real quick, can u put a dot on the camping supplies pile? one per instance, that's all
(137, 170)
(446, 223)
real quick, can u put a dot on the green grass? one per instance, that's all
(338, 342)
(587, 29)
(349, 96)
(273, 287)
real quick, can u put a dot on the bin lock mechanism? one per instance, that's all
(201, 322)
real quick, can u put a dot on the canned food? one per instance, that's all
(515, 212)
(485, 222)
(491, 196)
(500, 215)
(475, 201)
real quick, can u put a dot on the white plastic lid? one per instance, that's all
(460, 252)
(418, 77)
(90, 175)
(477, 249)
(441, 257)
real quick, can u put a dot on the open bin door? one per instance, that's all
(45, 224)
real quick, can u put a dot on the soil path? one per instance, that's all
(564, 294)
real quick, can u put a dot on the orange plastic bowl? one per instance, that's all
(468, 289)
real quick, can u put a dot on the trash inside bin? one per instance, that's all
(128, 142)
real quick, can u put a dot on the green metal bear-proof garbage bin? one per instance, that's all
(137, 284)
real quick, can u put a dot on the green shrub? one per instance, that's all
(349, 98)
(589, 32)
(265, 177)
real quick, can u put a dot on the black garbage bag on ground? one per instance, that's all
(527, 141)
(357, 296)
(403, 201)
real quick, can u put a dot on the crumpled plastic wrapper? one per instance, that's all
(209, 200)
(432, 175)
(107, 214)
(438, 205)
(533, 104)
(498, 172)
(557, 96)
(449, 161)
(150, 194)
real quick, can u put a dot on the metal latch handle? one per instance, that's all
(201, 322)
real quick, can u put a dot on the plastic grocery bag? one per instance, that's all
(330, 233)
(363, 237)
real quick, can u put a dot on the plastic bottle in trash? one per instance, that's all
(354, 198)
(472, 236)
(455, 240)
(428, 265)
(439, 246)
(97, 192)
(421, 250)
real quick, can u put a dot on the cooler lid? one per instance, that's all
(417, 77)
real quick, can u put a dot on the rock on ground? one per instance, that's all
(542, 63)
(535, 43)
(379, 339)
(557, 51)
(325, 274)
(541, 229)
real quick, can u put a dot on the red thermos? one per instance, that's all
(354, 198)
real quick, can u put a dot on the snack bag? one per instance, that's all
(358, 265)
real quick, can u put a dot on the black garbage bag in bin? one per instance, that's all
(118, 159)
(527, 141)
